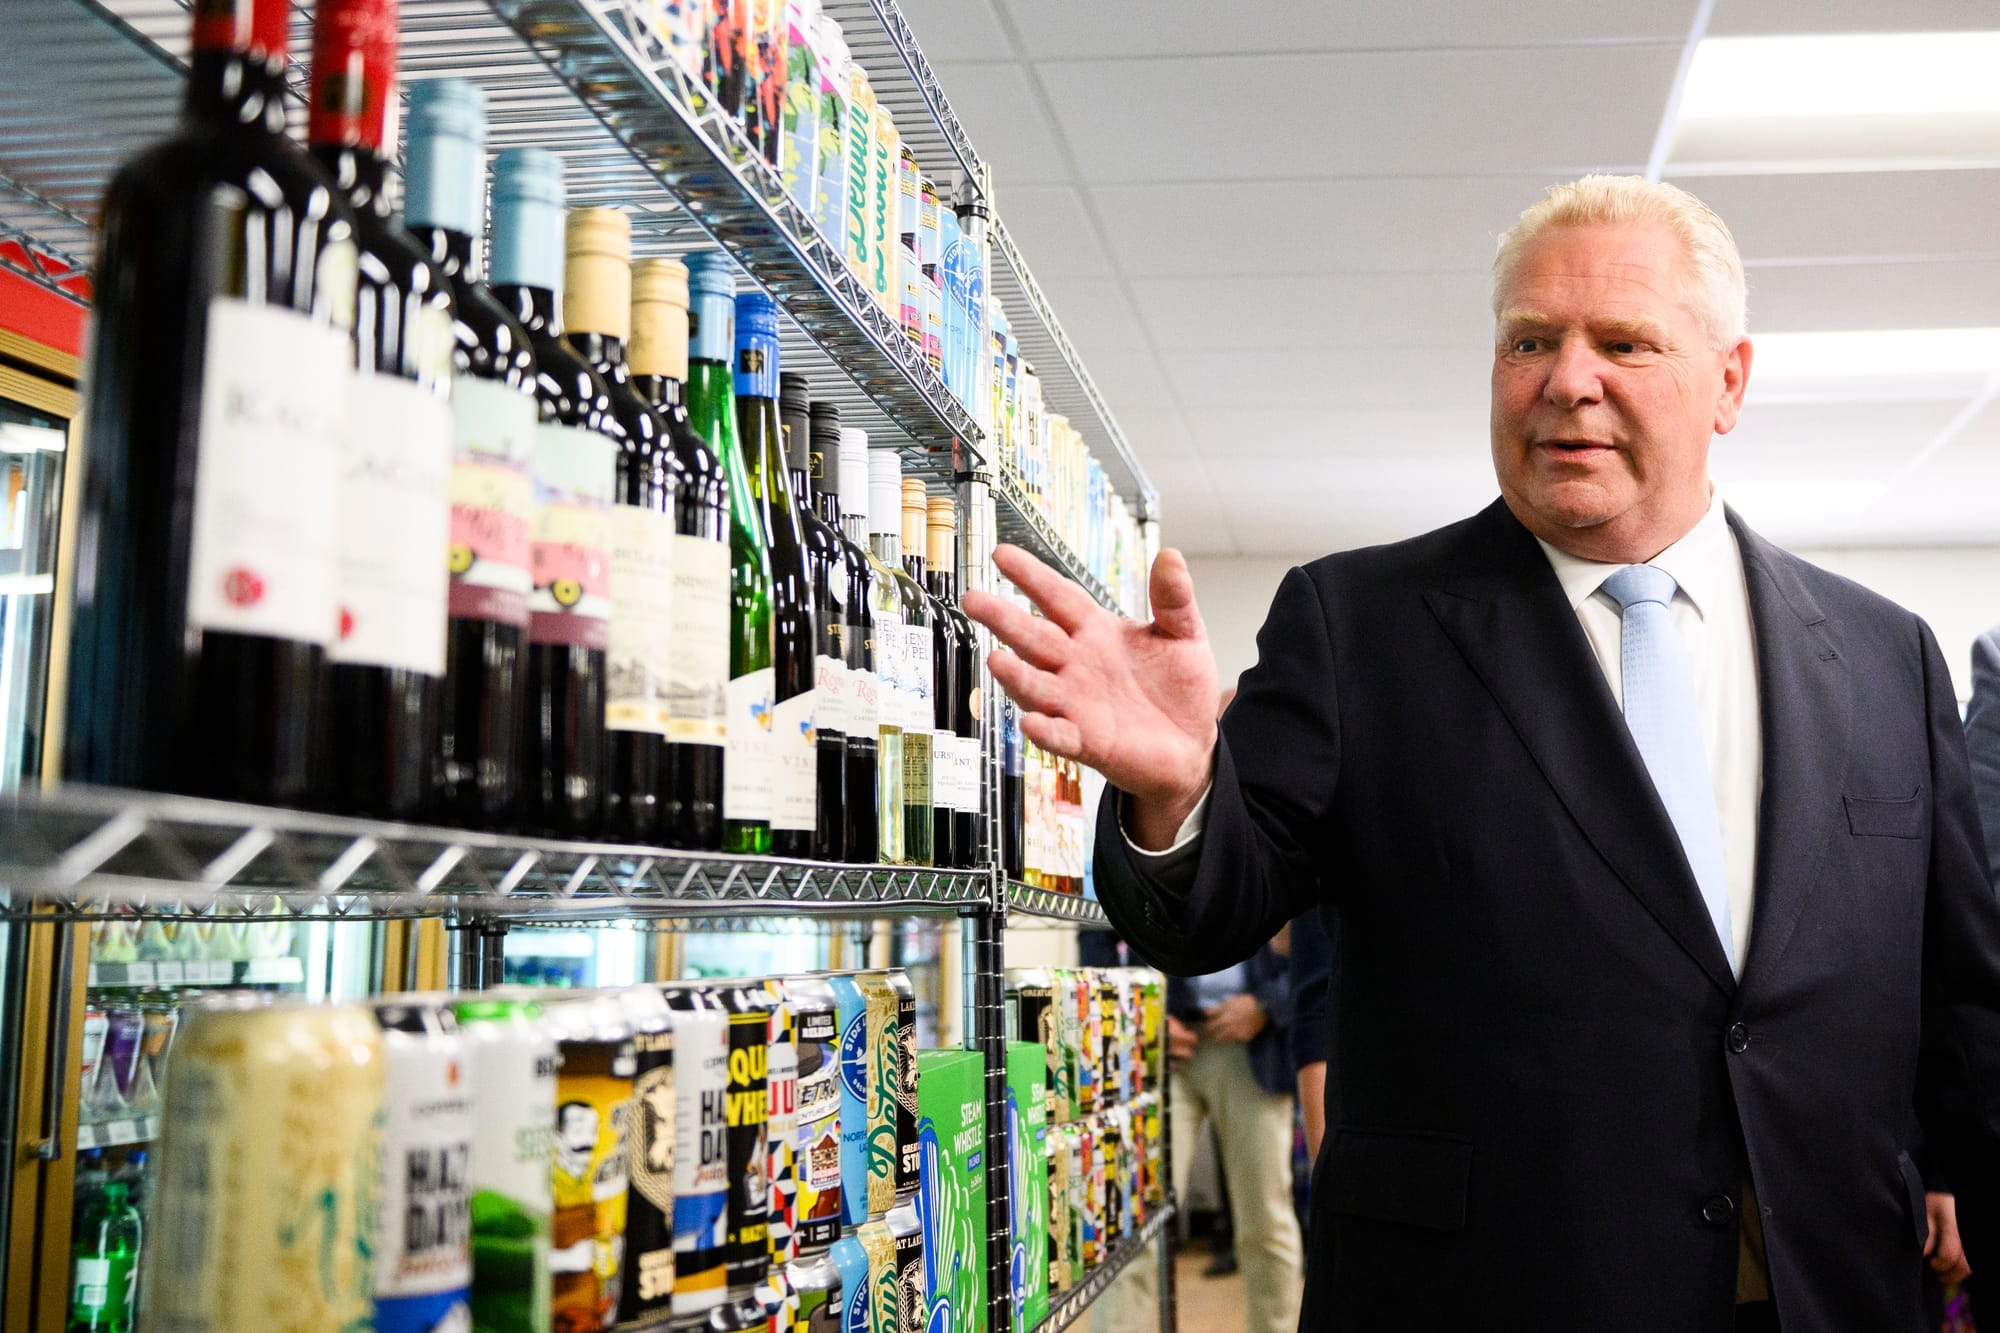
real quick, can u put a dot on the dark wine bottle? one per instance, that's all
(220, 369)
(597, 318)
(794, 750)
(493, 412)
(909, 643)
(861, 698)
(746, 771)
(958, 702)
(1013, 791)
(939, 664)
(575, 469)
(698, 661)
(379, 743)
(827, 571)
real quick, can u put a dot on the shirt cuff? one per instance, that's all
(1189, 830)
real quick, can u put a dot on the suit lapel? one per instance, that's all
(1804, 709)
(1504, 608)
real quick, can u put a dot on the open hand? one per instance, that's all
(1946, 1254)
(1236, 1019)
(1134, 701)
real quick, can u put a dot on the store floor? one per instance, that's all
(1207, 1304)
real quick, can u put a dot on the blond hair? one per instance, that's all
(1714, 281)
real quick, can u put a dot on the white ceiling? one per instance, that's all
(1266, 227)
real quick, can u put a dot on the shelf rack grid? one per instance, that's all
(1032, 901)
(1072, 1305)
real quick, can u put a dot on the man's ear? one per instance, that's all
(1735, 379)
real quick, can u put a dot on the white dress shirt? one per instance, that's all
(1711, 613)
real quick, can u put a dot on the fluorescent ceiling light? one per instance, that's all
(1875, 353)
(1858, 74)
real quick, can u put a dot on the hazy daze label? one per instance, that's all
(423, 1256)
(575, 473)
(394, 478)
(642, 586)
(492, 500)
(701, 1157)
(263, 554)
(794, 763)
(698, 648)
(746, 770)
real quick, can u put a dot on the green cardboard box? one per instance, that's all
(1028, 1180)
(951, 1189)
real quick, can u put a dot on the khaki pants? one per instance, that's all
(1253, 1130)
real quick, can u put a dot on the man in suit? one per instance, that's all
(1666, 942)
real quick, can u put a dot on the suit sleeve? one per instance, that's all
(1982, 741)
(1219, 898)
(1311, 981)
(1958, 1091)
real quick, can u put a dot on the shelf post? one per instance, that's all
(986, 1033)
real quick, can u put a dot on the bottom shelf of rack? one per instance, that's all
(1067, 1308)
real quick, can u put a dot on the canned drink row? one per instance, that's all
(661, 1156)
(1103, 1030)
(1106, 1177)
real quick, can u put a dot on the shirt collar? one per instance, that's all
(1700, 562)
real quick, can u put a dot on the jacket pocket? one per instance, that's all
(1871, 817)
(1913, 1184)
(1415, 1177)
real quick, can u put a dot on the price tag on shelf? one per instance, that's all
(216, 973)
(119, 1131)
(86, 1137)
(169, 974)
(138, 974)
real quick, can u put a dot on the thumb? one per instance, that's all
(1172, 593)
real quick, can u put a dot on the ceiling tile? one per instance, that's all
(1196, 528)
(1334, 310)
(1808, 297)
(1360, 377)
(1155, 434)
(998, 109)
(1267, 436)
(1841, 442)
(1129, 380)
(1052, 230)
(1863, 215)
(1742, 18)
(1058, 28)
(1540, 109)
(1096, 315)
(956, 30)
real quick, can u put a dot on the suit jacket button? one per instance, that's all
(1739, 1038)
(1718, 1211)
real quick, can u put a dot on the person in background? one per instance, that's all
(1667, 936)
(1312, 1028)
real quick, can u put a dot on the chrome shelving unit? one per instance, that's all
(1046, 903)
(1071, 1306)
(1019, 521)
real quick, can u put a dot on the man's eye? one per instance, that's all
(1526, 345)
(1624, 349)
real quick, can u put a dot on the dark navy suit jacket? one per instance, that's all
(1549, 1084)
(1267, 978)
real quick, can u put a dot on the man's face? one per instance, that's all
(578, 1128)
(1606, 392)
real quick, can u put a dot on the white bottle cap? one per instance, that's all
(854, 473)
(885, 493)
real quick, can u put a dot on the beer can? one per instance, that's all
(1111, 1057)
(269, 1157)
(907, 1154)
(1090, 1082)
(587, 1159)
(906, 1231)
(857, 1198)
(816, 1292)
(645, 1296)
(701, 1150)
(1034, 1020)
(1069, 1044)
(781, 1066)
(423, 1254)
(884, 1053)
(748, 1121)
(511, 1058)
(1083, 1223)
(884, 1283)
(851, 1260)
(1059, 1233)
(1110, 1162)
(816, 1029)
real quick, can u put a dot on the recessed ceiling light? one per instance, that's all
(1874, 353)
(1853, 74)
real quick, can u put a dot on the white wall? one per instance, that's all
(1955, 588)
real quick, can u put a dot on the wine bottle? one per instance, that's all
(961, 741)
(220, 368)
(597, 320)
(794, 749)
(385, 684)
(912, 652)
(1013, 790)
(861, 708)
(827, 570)
(493, 412)
(935, 651)
(576, 447)
(746, 770)
(698, 657)
(880, 646)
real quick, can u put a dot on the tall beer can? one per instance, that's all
(701, 1152)
(884, 1284)
(851, 1259)
(587, 1159)
(781, 1065)
(423, 1254)
(265, 1213)
(857, 1196)
(814, 1016)
(884, 1059)
(645, 1297)
(511, 1057)
(748, 1116)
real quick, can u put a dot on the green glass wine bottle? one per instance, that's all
(746, 765)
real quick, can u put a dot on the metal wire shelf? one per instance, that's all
(1038, 902)
(1020, 521)
(1072, 1304)
(880, 39)
(97, 853)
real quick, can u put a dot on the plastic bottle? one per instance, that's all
(105, 1264)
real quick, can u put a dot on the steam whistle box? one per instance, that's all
(1028, 1180)
(951, 1190)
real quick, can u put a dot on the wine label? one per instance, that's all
(864, 709)
(641, 655)
(492, 500)
(794, 763)
(746, 768)
(575, 478)
(395, 516)
(831, 683)
(263, 557)
(967, 760)
(919, 695)
(698, 657)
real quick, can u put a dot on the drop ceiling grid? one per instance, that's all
(1265, 294)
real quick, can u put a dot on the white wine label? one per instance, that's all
(264, 554)
(395, 517)
(831, 684)
(889, 669)
(966, 762)
(576, 475)
(492, 500)
(747, 764)
(919, 698)
(864, 707)
(794, 763)
(642, 628)
(698, 658)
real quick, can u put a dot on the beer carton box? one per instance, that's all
(951, 1191)
(1028, 1180)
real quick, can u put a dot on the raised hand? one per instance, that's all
(1136, 702)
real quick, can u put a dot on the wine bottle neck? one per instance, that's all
(600, 349)
(661, 391)
(359, 172)
(237, 88)
(535, 307)
(453, 250)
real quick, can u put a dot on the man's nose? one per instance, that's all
(1575, 376)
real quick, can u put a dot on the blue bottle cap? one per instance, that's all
(756, 346)
(527, 219)
(711, 272)
(444, 181)
(711, 307)
(756, 313)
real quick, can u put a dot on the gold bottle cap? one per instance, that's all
(940, 554)
(915, 515)
(597, 280)
(660, 319)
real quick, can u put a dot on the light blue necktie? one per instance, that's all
(1666, 726)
